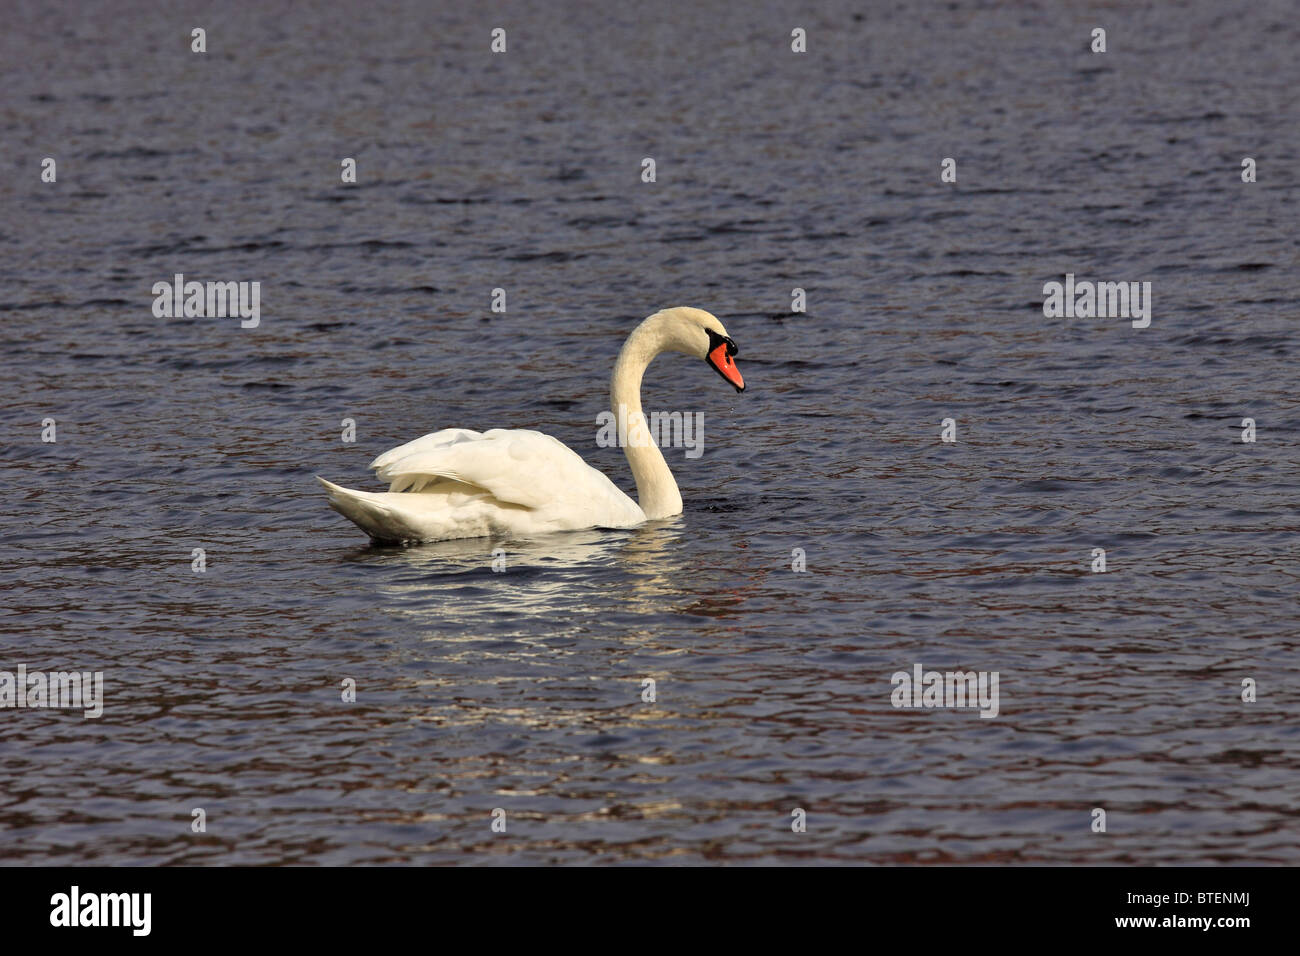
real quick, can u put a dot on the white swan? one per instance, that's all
(458, 483)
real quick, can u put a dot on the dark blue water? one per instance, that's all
(522, 690)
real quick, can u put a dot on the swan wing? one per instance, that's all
(516, 466)
(430, 442)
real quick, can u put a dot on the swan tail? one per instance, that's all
(369, 512)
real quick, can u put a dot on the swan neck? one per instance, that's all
(656, 490)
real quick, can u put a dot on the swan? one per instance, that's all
(459, 483)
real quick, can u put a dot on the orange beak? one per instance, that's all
(720, 357)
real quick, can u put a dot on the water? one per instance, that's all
(522, 690)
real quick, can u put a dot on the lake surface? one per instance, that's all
(478, 690)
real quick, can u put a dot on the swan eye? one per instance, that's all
(715, 340)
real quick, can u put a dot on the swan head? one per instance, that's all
(697, 333)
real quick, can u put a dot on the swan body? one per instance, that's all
(459, 483)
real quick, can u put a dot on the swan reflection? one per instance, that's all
(484, 644)
(574, 574)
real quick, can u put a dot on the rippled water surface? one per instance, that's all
(522, 690)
